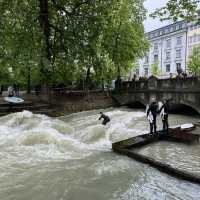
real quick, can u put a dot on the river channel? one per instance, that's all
(70, 158)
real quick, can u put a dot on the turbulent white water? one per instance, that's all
(71, 158)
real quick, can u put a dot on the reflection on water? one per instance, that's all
(71, 158)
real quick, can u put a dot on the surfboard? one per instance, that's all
(187, 126)
(150, 116)
(160, 104)
(13, 99)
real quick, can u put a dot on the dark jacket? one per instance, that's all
(105, 117)
(153, 108)
(165, 106)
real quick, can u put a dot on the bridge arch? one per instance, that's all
(185, 108)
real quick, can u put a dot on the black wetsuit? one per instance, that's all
(106, 119)
(165, 106)
(153, 108)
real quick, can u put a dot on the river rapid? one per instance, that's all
(70, 158)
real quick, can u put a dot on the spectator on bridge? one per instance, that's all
(134, 77)
(152, 112)
(164, 111)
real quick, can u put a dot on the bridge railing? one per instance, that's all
(153, 83)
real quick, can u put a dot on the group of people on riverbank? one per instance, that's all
(152, 111)
(13, 90)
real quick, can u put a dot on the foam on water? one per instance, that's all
(71, 158)
(80, 134)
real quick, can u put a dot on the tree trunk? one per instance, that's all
(87, 80)
(45, 26)
(29, 80)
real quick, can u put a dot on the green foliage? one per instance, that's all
(4, 73)
(178, 9)
(155, 69)
(73, 36)
(194, 62)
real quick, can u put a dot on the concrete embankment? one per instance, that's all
(69, 102)
(56, 103)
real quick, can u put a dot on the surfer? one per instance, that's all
(105, 118)
(164, 111)
(152, 112)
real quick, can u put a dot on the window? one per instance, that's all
(178, 67)
(146, 71)
(168, 68)
(190, 51)
(155, 46)
(155, 58)
(167, 30)
(168, 43)
(195, 38)
(137, 72)
(195, 26)
(149, 35)
(198, 37)
(146, 59)
(190, 39)
(179, 40)
(178, 53)
(168, 55)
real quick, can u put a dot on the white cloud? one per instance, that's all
(151, 24)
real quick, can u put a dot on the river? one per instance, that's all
(70, 158)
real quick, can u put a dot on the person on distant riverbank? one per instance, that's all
(1, 90)
(10, 91)
(152, 112)
(164, 111)
(16, 89)
(105, 118)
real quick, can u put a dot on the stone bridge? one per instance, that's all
(182, 92)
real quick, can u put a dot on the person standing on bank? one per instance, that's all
(10, 91)
(164, 111)
(152, 112)
(105, 118)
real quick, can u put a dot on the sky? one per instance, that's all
(151, 24)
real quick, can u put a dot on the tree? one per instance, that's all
(124, 40)
(178, 9)
(62, 41)
(155, 69)
(194, 62)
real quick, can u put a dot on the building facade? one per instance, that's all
(170, 48)
(193, 37)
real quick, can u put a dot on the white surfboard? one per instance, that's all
(160, 104)
(187, 126)
(13, 99)
(150, 116)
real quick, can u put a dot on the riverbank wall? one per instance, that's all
(77, 101)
